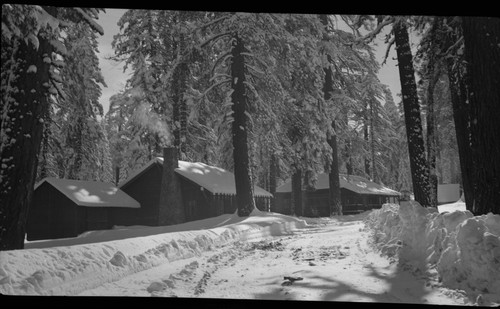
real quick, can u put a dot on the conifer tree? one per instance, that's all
(30, 80)
(414, 132)
(481, 37)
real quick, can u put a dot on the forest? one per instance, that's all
(268, 96)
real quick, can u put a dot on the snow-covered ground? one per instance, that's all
(379, 256)
(461, 250)
(459, 205)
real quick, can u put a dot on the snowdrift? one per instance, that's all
(462, 248)
(70, 266)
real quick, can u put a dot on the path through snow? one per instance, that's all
(333, 258)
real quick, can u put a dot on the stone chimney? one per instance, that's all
(171, 207)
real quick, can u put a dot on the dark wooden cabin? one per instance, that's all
(207, 191)
(357, 194)
(64, 208)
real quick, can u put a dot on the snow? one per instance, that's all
(90, 21)
(59, 47)
(71, 266)
(214, 179)
(91, 193)
(463, 249)
(33, 40)
(353, 183)
(458, 205)
(396, 254)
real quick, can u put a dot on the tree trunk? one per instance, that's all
(297, 193)
(348, 159)
(117, 175)
(373, 174)
(333, 178)
(459, 96)
(21, 132)
(431, 134)
(42, 163)
(242, 173)
(482, 55)
(416, 149)
(333, 175)
(308, 209)
(180, 108)
(272, 180)
(365, 136)
(171, 210)
(76, 143)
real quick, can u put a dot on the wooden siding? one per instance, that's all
(51, 215)
(197, 202)
(146, 190)
(317, 202)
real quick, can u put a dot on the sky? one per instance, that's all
(112, 71)
(115, 78)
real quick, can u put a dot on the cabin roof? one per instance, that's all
(91, 193)
(353, 183)
(213, 179)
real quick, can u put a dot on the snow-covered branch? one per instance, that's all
(370, 36)
(215, 85)
(214, 38)
(254, 70)
(89, 20)
(212, 22)
(220, 59)
(219, 75)
(256, 58)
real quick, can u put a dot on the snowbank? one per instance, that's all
(462, 248)
(459, 205)
(70, 266)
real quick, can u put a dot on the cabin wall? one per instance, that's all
(229, 204)
(52, 215)
(262, 203)
(39, 214)
(282, 202)
(198, 204)
(317, 202)
(146, 190)
(95, 218)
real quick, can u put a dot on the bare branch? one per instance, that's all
(458, 42)
(351, 26)
(58, 88)
(391, 42)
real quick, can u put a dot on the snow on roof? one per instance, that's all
(214, 179)
(353, 183)
(91, 193)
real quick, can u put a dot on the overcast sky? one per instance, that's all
(115, 78)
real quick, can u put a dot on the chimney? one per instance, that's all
(171, 207)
